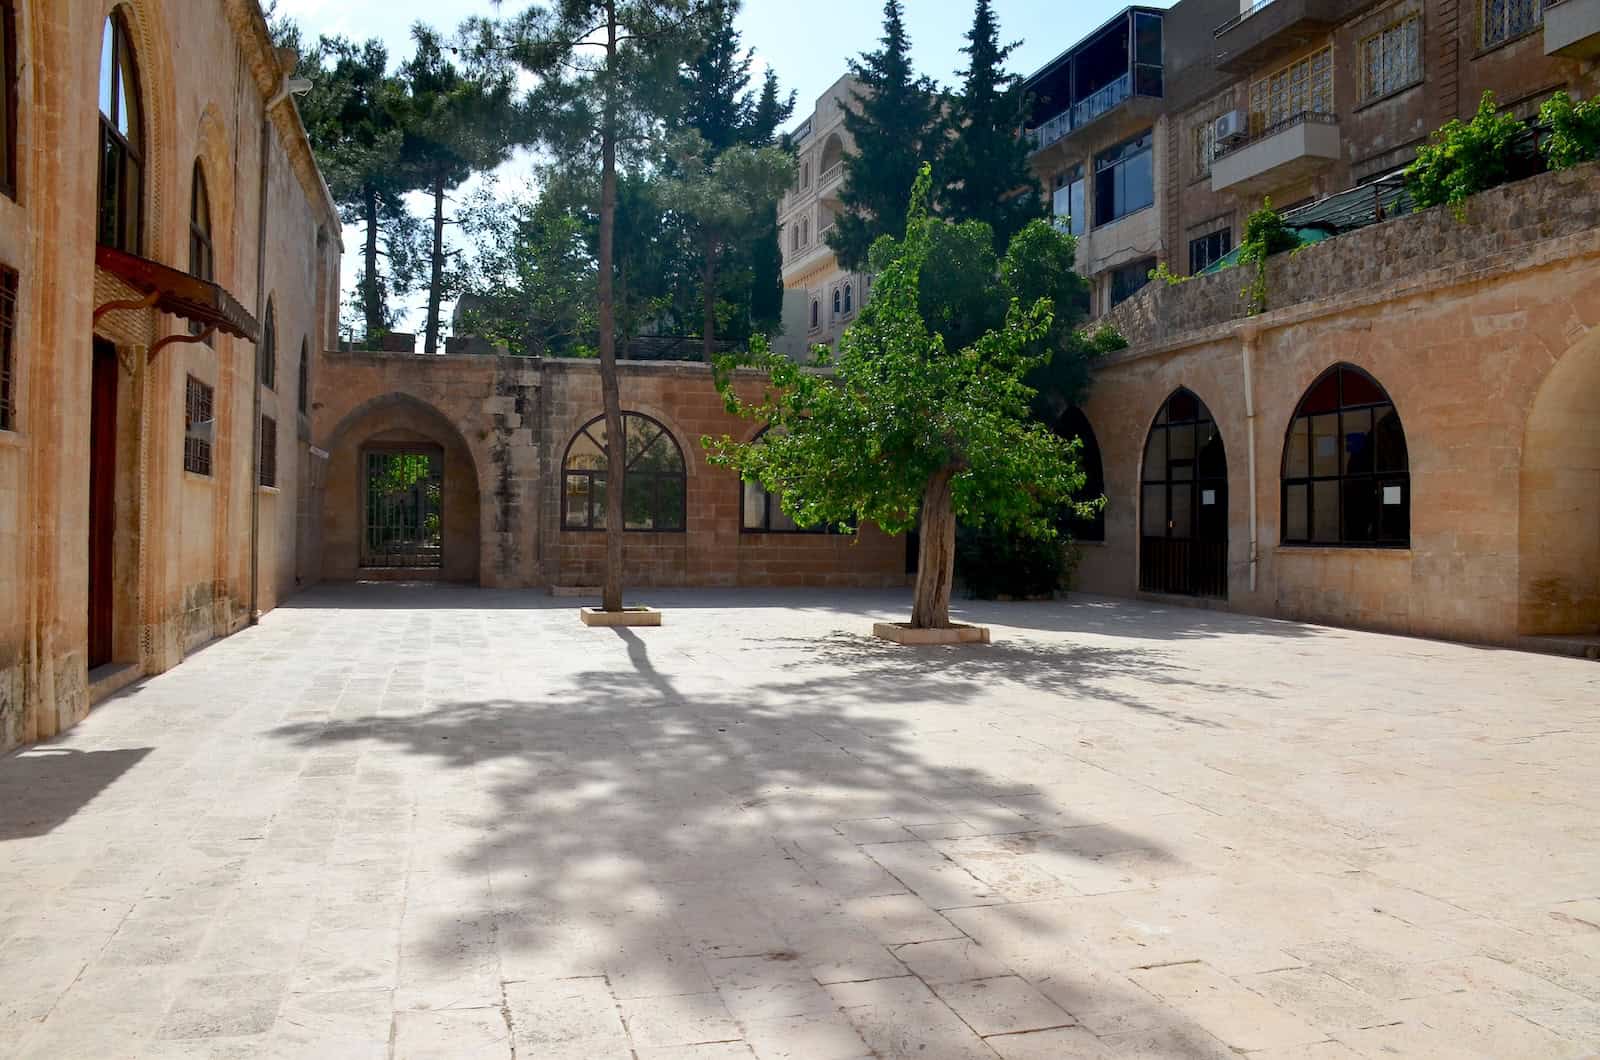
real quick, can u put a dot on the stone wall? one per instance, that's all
(1405, 255)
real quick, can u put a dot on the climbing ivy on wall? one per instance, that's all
(1461, 158)
(1574, 136)
(1265, 234)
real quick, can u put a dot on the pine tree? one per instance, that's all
(895, 122)
(716, 84)
(985, 174)
(766, 256)
(769, 114)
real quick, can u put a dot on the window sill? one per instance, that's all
(1387, 97)
(601, 530)
(13, 440)
(198, 478)
(1497, 45)
(1293, 547)
(270, 491)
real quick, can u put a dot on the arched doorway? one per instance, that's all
(1558, 520)
(1183, 502)
(1074, 424)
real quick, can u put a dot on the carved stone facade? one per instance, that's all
(177, 545)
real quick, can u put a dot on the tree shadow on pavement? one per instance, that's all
(680, 833)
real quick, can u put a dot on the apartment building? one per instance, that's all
(821, 298)
(1158, 134)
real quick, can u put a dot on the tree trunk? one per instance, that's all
(610, 392)
(436, 267)
(936, 563)
(708, 300)
(371, 298)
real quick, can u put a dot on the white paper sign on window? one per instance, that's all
(1391, 495)
(1208, 496)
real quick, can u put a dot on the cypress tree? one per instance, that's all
(986, 176)
(895, 122)
(766, 256)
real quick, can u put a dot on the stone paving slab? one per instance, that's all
(399, 821)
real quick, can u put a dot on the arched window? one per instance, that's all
(805, 231)
(1183, 502)
(837, 295)
(121, 140)
(794, 237)
(269, 348)
(202, 255)
(761, 512)
(816, 313)
(832, 154)
(654, 493)
(1074, 424)
(305, 379)
(8, 100)
(849, 303)
(1346, 474)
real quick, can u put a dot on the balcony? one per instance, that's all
(1113, 81)
(1572, 28)
(1280, 154)
(1270, 30)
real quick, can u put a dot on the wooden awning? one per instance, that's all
(180, 294)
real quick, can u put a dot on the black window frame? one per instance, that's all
(8, 100)
(1207, 250)
(849, 300)
(594, 511)
(199, 407)
(202, 250)
(770, 504)
(1074, 423)
(1125, 281)
(1111, 167)
(269, 347)
(269, 452)
(10, 283)
(303, 401)
(1372, 479)
(1074, 224)
(120, 211)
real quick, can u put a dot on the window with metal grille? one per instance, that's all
(1303, 87)
(1209, 248)
(1505, 20)
(8, 343)
(1129, 279)
(305, 380)
(199, 426)
(8, 100)
(121, 140)
(269, 349)
(269, 451)
(654, 483)
(1346, 474)
(1392, 60)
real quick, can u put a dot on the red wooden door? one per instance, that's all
(102, 501)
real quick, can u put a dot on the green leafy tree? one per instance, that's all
(352, 118)
(985, 174)
(766, 256)
(607, 73)
(721, 200)
(907, 429)
(1574, 136)
(461, 116)
(1461, 158)
(895, 122)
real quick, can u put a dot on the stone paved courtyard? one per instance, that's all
(420, 822)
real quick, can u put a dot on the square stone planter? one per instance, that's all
(904, 633)
(628, 616)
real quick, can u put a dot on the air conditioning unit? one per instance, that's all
(1231, 128)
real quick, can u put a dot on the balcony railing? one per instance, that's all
(1098, 103)
(830, 174)
(1248, 12)
(1314, 117)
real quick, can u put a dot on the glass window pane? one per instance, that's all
(1213, 459)
(107, 70)
(755, 506)
(1297, 460)
(1322, 397)
(1296, 512)
(1325, 512)
(1147, 39)
(1391, 440)
(1155, 455)
(1181, 519)
(669, 502)
(585, 454)
(1360, 511)
(1183, 407)
(577, 500)
(1358, 442)
(780, 518)
(1153, 511)
(1325, 445)
(638, 502)
(1360, 390)
(1180, 441)
(1394, 511)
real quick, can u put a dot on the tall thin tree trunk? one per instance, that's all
(708, 298)
(371, 298)
(436, 265)
(930, 608)
(610, 391)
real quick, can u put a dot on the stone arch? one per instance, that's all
(1558, 524)
(693, 453)
(1073, 422)
(401, 421)
(213, 151)
(158, 93)
(832, 153)
(1183, 500)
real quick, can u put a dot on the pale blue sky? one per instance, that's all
(807, 42)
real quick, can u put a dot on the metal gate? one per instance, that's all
(1183, 539)
(403, 500)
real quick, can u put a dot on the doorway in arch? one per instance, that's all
(1183, 502)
